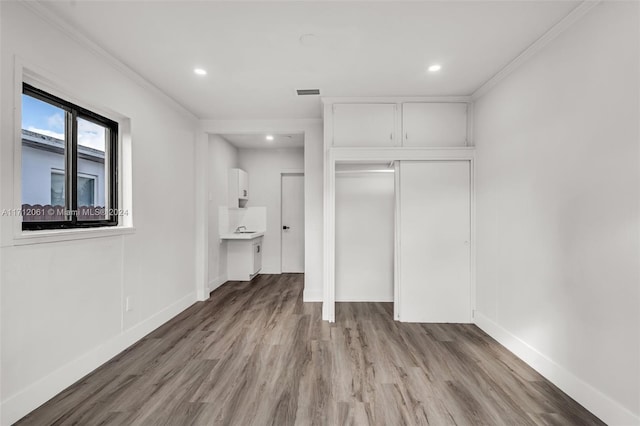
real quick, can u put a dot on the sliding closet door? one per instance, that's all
(434, 249)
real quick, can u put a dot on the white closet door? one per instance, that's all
(361, 125)
(434, 255)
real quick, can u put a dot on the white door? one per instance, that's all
(434, 248)
(292, 223)
(364, 125)
(434, 124)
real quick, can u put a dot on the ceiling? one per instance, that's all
(260, 141)
(255, 57)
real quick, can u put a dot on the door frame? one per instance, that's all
(283, 173)
(364, 155)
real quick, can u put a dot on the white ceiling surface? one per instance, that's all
(255, 60)
(260, 141)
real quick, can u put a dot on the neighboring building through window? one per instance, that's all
(69, 173)
(57, 187)
(86, 189)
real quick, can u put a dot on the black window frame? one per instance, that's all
(72, 113)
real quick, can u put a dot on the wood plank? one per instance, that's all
(255, 354)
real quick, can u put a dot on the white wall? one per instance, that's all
(313, 212)
(264, 167)
(252, 218)
(557, 212)
(62, 303)
(222, 157)
(365, 236)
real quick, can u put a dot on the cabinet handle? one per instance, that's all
(406, 135)
(391, 136)
(257, 249)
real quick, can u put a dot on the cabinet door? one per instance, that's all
(233, 188)
(434, 124)
(243, 185)
(257, 257)
(434, 250)
(364, 125)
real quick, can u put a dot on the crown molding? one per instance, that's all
(61, 24)
(565, 23)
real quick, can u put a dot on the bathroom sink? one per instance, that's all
(245, 232)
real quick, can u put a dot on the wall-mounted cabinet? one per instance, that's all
(434, 124)
(364, 125)
(238, 188)
(405, 122)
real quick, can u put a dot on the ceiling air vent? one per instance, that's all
(307, 92)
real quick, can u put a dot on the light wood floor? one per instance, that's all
(254, 354)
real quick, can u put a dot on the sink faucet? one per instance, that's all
(240, 228)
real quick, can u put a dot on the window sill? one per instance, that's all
(52, 236)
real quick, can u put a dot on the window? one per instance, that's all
(57, 188)
(86, 189)
(69, 167)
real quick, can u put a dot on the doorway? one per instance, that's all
(292, 222)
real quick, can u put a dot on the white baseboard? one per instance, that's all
(18, 405)
(312, 295)
(608, 410)
(217, 282)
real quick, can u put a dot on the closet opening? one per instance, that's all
(364, 238)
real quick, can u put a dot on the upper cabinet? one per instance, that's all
(364, 125)
(434, 124)
(238, 188)
(243, 185)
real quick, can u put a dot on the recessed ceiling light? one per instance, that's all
(200, 71)
(434, 68)
(269, 137)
